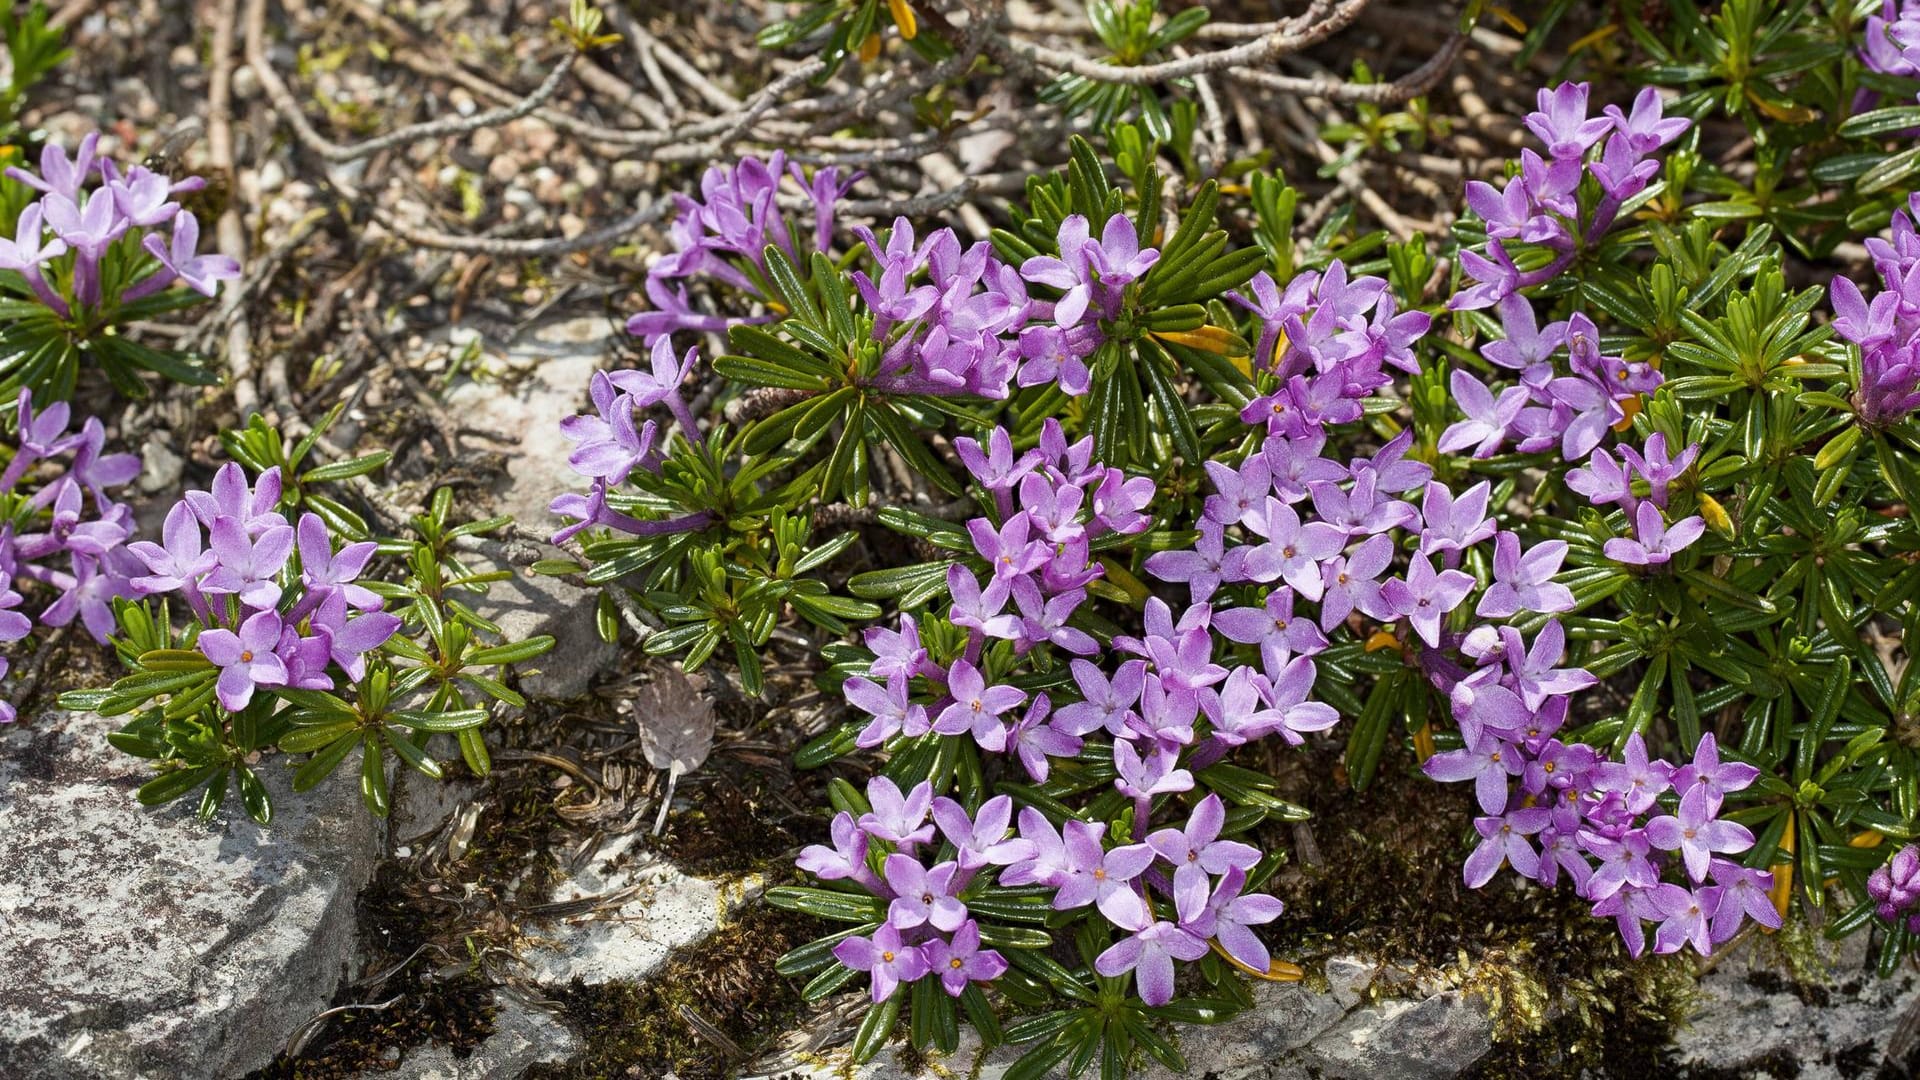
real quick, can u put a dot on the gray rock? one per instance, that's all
(650, 909)
(1751, 1018)
(528, 386)
(141, 943)
(522, 1037)
(529, 605)
(1437, 1037)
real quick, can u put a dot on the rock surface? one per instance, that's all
(141, 943)
(647, 909)
(530, 384)
(1753, 1020)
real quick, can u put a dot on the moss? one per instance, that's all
(725, 985)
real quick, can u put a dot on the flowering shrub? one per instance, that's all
(1166, 496)
(84, 262)
(61, 533)
(256, 622)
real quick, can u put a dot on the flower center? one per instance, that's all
(926, 898)
(956, 963)
(976, 705)
(246, 656)
(1288, 550)
(1099, 874)
(887, 956)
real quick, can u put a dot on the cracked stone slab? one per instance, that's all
(1751, 1018)
(649, 910)
(142, 943)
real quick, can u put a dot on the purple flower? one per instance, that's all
(610, 444)
(1197, 850)
(1488, 765)
(982, 840)
(1655, 542)
(1036, 742)
(58, 175)
(1454, 524)
(246, 567)
(997, 469)
(1708, 773)
(1238, 492)
(1562, 123)
(980, 609)
(1107, 704)
(348, 641)
(1623, 865)
(896, 818)
(1645, 130)
(1274, 628)
(1504, 839)
(1426, 596)
(246, 659)
(976, 707)
(1524, 581)
(886, 956)
(1637, 778)
(179, 259)
(1696, 834)
(1743, 894)
(890, 707)
(180, 562)
(661, 385)
(845, 860)
(962, 960)
(1230, 916)
(1352, 582)
(1090, 875)
(1656, 468)
(1091, 272)
(1629, 906)
(1142, 778)
(1293, 551)
(1603, 481)
(1683, 917)
(1488, 418)
(1203, 566)
(1532, 670)
(324, 570)
(1149, 953)
(255, 508)
(923, 896)
(1010, 550)
(896, 652)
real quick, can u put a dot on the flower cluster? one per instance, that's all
(618, 439)
(927, 928)
(1609, 481)
(1545, 410)
(1339, 335)
(1603, 823)
(973, 329)
(62, 532)
(1895, 888)
(1038, 559)
(1540, 206)
(275, 603)
(1887, 328)
(724, 234)
(63, 241)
